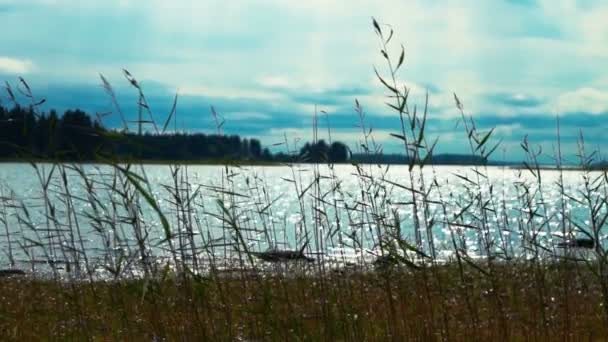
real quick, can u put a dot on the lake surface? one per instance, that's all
(97, 214)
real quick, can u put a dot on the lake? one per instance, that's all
(111, 218)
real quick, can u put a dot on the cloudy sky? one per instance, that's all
(265, 64)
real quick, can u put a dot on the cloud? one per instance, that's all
(15, 66)
(329, 97)
(265, 65)
(6, 7)
(352, 137)
(515, 100)
(247, 116)
(228, 93)
(589, 100)
(528, 3)
(570, 122)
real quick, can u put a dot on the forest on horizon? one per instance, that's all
(76, 136)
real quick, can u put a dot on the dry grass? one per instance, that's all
(431, 304)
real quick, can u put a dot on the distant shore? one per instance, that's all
(218, 162)
(509, 165)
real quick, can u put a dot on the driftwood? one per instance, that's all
(276, 255)
(11, 272)
(578, 243)
(383, 261)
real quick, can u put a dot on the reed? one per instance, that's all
(112, 252)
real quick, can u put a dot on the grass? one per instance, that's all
(428, 305)
(127, 261)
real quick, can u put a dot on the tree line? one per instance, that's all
(75, 136)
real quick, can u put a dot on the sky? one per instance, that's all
(265, 65)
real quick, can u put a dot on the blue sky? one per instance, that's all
(265, 64)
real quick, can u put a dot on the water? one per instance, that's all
(342, 216)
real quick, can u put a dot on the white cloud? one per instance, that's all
(585, 25)
(229, 93)
(507, 130)
(15, 66)
(273, 81)
(586, 100)
(246, 116)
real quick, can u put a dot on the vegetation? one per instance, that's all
(75, 136)
(427, 305)
(112, 257)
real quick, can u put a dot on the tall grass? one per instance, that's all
(113, 253)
